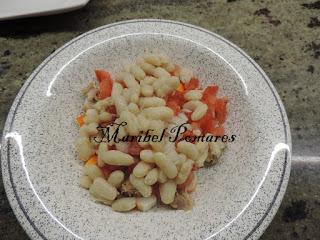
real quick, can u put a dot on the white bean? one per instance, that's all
(101, 189)
(121, 104)
(116, 91)
(157, 146)
(91, 116)
(168, 191)
(85, 182)
(191, 105)
(184, 171)
(153, 59)
(146, 102)
(137, 72)
(158, 113)
(130, 81)
(115, 157)
(185, 75)
(102, 147)
(157, 126)
(188, 149)
(84, 148)
(139, 184)
(152, 177)
(146, 90)
(92, 171)
(164, 59)
(162, 86)
(141, 169)
(146, 203)
(105, 117)
(134, 94)
(126, 94)
(143, 144)
(160, 72)
(162, 177)
(199, 112)
(215, 149)
(149, 80)
(91, 129)
(124, 204)
(173, 82)
(147, 67)
(203, 149)
(132, 126)
(166, 165)
(147, 156)
(132, 107)
(170, 67)
(102, 104)
(193, 95)
(143, 122)
(116, 178)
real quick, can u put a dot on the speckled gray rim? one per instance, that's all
(260, 226)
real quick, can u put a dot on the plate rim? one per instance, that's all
(276, 201)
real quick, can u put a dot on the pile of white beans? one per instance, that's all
(142, 106)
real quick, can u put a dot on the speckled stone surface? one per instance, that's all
(283, 37)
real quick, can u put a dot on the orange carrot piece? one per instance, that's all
(80, 120)
(92, 161)
(180, 88)
(174, 106)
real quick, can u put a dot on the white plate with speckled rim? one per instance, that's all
(235, 199)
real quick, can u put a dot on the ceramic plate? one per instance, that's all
(235, 199)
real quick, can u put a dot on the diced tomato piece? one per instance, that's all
(221, 109)
(183, 185)
(174, 106)
(195, 125)
(210, 101)
(210, 91)
(205, 122)
(105, 83)
(102, 75)
(112, 147)
(112, 109)
(217, 131)
(209, 97)
(134, 149)
(188, 114)
(177, 97)
(188, 133)
(192, 84)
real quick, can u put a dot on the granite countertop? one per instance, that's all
(282, 36)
